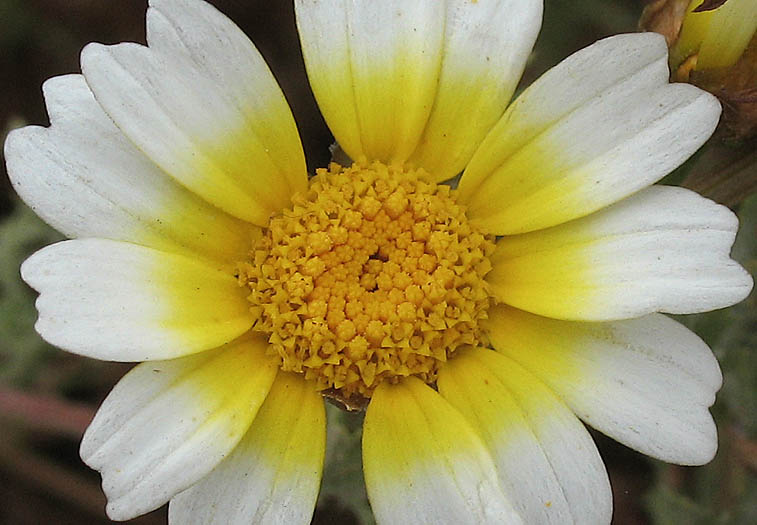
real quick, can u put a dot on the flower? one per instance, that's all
(477, 325)
(713, 37)
(716, 50)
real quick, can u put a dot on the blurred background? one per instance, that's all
(47, 397)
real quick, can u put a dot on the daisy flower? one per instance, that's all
(478, 326)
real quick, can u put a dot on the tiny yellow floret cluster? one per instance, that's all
(372, 275)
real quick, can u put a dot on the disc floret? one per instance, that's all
(372, 275)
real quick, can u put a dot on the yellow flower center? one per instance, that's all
(373, 275)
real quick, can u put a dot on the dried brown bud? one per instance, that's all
(664, 17)
(736, 87)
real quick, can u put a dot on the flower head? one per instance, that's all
(716, 50)
(713, 36)
(477, 325)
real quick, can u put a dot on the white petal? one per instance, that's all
(202, 104)
(664, 249)
(596, 128)
(166, 424)
(546, 460)
(424, 463)
(645, 382)
(274, 473)
(373, 67)
(486, 45)
(85, 178)
(123, 302)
